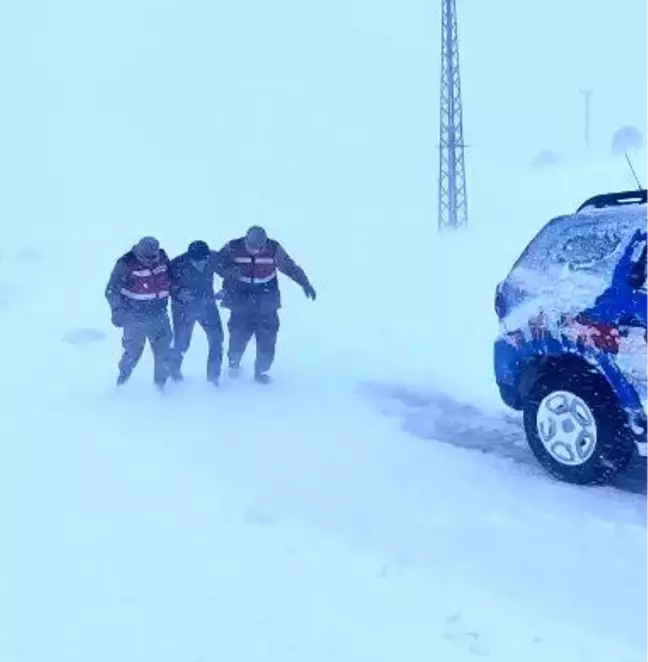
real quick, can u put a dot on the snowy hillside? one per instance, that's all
(377, 502)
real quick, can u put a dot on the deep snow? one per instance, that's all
(297, 521)
(351, 511)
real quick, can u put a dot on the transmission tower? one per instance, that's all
(453, 210)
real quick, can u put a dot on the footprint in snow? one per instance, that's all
(457, 632)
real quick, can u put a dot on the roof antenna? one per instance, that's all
(639, 186)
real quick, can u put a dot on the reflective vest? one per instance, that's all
(142, 283)
(255, 269)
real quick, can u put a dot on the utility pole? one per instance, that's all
(453, 210)
(587, 94)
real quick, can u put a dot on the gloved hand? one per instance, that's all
(185, 296)
(117, 317)
(309, 291)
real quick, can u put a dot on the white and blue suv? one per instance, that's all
(571, 351)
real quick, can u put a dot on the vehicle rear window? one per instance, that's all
(589, 249)
(581, 244)
(570, 263)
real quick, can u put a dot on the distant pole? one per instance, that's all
(587, 94)
(452, 204)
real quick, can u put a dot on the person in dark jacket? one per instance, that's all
(138, 294)
(250, 266)
(193, 300)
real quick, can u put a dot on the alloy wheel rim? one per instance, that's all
(567, 428)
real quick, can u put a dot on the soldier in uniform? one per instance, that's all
(250, 266)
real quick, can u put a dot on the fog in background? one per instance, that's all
(155, 111)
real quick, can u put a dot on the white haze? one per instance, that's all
(297, 523)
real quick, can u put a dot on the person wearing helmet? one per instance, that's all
(250, 266)
(138, 294)
(193, 300)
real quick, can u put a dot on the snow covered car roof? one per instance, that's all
(567, 265)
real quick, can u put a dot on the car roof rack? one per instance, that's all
(637, 197)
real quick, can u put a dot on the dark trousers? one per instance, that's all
(264, 327)
(136, 331)
(185, 317)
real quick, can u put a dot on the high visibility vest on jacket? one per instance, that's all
(143, 283)
(259, 269)
(251, 283)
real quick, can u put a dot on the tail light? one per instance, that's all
(603, 336)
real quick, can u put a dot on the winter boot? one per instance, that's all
(262, 378)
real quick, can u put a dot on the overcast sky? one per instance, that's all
(115, 102)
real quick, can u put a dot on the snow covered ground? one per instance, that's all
(296, 522)
(376, 503)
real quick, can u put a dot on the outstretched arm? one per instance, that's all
(290, 268)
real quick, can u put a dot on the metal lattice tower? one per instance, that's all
(453, 210)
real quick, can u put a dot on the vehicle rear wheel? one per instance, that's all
(577, 428)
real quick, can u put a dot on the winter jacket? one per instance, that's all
(137, 288)
(190, 284)
(250, 282)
